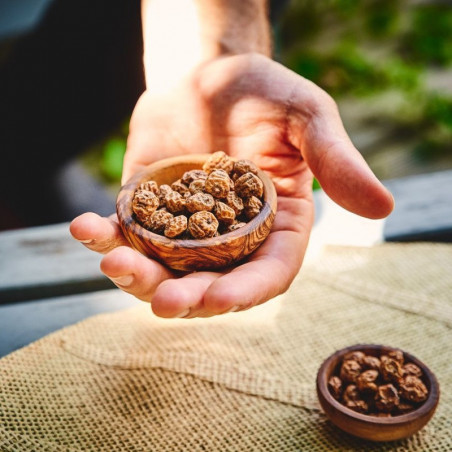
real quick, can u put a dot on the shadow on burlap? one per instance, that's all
(129, 381)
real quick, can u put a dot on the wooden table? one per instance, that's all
(48, 280)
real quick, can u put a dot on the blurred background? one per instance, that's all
(387, 63)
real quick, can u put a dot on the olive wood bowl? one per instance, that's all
(372, 427)
(192, 255)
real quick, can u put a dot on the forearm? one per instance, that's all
(180, 34)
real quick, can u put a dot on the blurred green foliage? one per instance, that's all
(361, 49)
(366, 48)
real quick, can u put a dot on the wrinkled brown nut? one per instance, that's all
(396, 355)
(371, 362)
(234, 202)
(224, 213)
(353, 400)
(144, 204)
(235, 226)
(249, 185)
(244, 166)
(150, 185)
(202, 225)
(164, 190)
(411, 369)
(200, 201)
(197, 186)
(391, 370)
(176, 226)
(335, 387)
(413, 389)
(252, 206)
(180, 187)
(386, 398)
(366, 381)
(405, 407)
(360, 406)
(351, 394)
(174, 202)
(189, 176)
(158, 221)
(218, 160)
(350, 371)
(218, 183)
(355, 356)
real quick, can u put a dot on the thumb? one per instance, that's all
(338, 166)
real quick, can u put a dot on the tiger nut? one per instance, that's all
(144, 204)
(252, 206)
(350, 371)
(197, 186)
(150, 185)
(411, 369)
(189, 176)
(174, 202)
(218, 160)
(158, 221)
(386, 398)
(202, 225)
(180, 187)
(391, 370)
(176, 226)
(244, 166)
(224, 213)
(234, 226)
(366, 381)
(200, 201)
(249, 185)
(413, 390)
(335, 387)
(164, 190)
(355, 355)
(234, 202)
(218, 183)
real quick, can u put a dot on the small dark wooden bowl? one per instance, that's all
(190, 255)
(372, 427)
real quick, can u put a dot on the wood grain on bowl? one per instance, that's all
(189, 255)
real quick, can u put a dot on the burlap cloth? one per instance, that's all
(129, 381)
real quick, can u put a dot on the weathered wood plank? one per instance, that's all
(44, 262)
(23, 323)
(423, 209)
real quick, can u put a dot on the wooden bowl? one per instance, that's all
(190, 255)
(372, 427)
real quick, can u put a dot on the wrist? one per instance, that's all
(179, 35)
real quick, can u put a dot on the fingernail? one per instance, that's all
(182, 314)
(85, 242)
(124, 281)
(233, 309)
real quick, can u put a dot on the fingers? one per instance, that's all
(97, 233)
(269, 274)
(206, 293)
(183, 297)
(331, 156)
(134, 273)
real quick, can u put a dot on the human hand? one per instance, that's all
(251, 107)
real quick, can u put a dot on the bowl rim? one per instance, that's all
(198, 159)
(423, 410)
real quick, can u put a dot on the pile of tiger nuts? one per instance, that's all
(378, 386)
(219, 198)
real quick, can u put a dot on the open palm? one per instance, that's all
(250, 107)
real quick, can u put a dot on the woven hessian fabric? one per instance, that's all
(129, 381)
